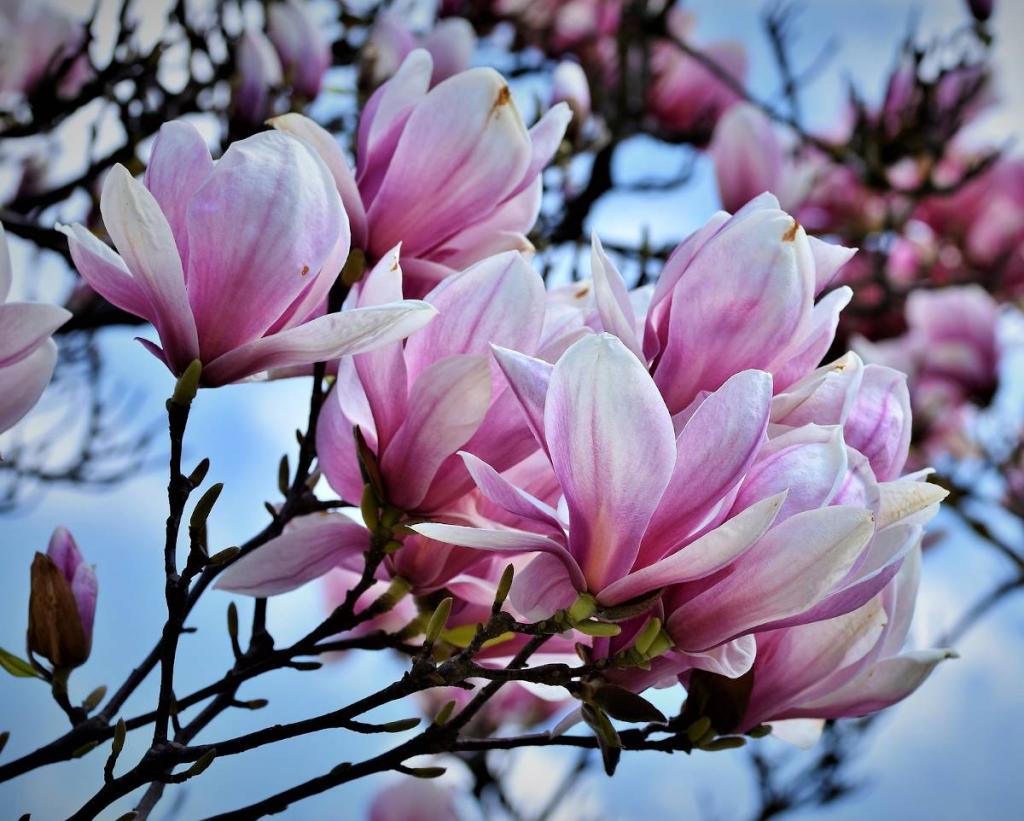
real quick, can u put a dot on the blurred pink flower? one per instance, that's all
(298, 37)
(27, 353)
(258, 75)
(275, 198)
(450, 43)
(38, 38)
(450, 172)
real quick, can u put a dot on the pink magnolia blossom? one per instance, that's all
(750, 158)
(259, 74)
(685, 96)
(417, 405)
(450, 172)
(450, 43)
(564, 26)
(27, 353)
(62, 604)
(275, 198)
(414, 799)
(63, 551)
(298, 37)
(38, 37)
(737, 294)
(851, 665)
(711, 512)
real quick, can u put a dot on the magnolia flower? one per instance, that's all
(62, 603)
(479, 193)
(298, 38)
(259, 74)
(450, 43)
(738, 294)
(416, 406)
(414, 799)
(564, 26)
(27, 353)
(684, 95)
(750, 158)
(273, 196)
(38, 38)
(847, 666)
(649, 508)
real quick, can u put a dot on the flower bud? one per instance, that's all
(305, 55)
(62, 603)
(981, 10)
(259, 73)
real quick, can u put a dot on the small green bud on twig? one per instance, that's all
(504, 585)
(399, 726)
(187, 386)
(601, 629)
(583, 608)
(195, 478)
(94, 698)
(204, 507)
(438, 620)
(444, 714)
(225, 555)
(369, 509)
(283, 475)
(424, 772)
(85, 748)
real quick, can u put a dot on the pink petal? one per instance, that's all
(308, 548)
(323, 142)
(612, 298)
(447, 404)
(542, 587)
(319, 340)
(613, 449)
(106, 272)
(879, 423)
(24, 326)
(277, 201)
(509, 497)
(714, 450)
(178, 166)
(708, 554)
(788, 571)
(463, 150)
(809, 348)
(528, 379)
(823, 397)
(143, 237)
(22, 383)
(498, 301)
(828, 260)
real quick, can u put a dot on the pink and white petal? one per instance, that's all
(613, 305)
(908, 501)
(708, 554)
(542, 587)
(509, 497)
(447, 403)
(502, 541)
(277, 201)
(789, 570)
(382, 372)
(613, 449)
(308, 548)
(807, 351)
(529, 378)
(440, 178)
(714, 450)
(320, 340)
(143, 238)
(823, 397)
(498, 301)
(336, 450)
(323, 142)
(178, 165)
(887, 682)
(24, 326)
(879, 422)
(828, 260)
(809, 462)
(732, 659)
(22, 383)
(545, 138)
(106, 272)
(384, 117)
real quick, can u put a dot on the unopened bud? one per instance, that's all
(188, 384)
(438, 620)
(599, 629)
(583, 608)
(504, 585)
(59, 622)
(647, 635)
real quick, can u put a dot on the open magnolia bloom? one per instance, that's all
(450, 172)
(416, 404)
(27, 353)
(274, 197)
